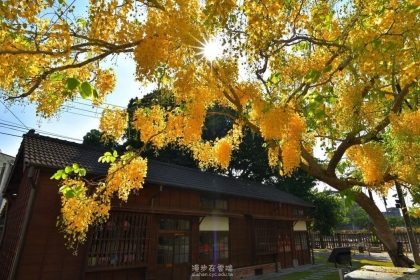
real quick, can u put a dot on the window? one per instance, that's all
(272, 236)
(298, 212)
(213, 203)
(301, 241)
(173, 249)
(173, 241)
(174, 224)
(122, 241)
(3, 215)
(214, 245)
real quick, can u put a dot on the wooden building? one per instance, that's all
(184, 223)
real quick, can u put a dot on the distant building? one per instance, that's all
(6, 163)
(392, 212)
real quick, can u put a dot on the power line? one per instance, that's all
(84, 110)
(15, 129)
(81, 115)
(10, 134)
(14, 114)
(79, 98)
(45, 134)
(19, 128)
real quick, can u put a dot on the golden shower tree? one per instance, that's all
(300, 73)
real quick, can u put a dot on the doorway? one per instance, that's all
(173, 253)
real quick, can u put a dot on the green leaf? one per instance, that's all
(349, 196)
(85, 90)
(62, 2)
(76, 167)
(64, 176)
(391, 46)
(68, 169)
(381, 94)
(274, 79)
(327, 69)
(63, 189)
(95, 94)
(81, 22)
(72, 83)
(331, 99)
(313, 75)
(375, 43)
(69, 194)
(57, 77)
(115, 154)
(66, 93)
(82, 172)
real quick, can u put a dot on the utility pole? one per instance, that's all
(410, 233)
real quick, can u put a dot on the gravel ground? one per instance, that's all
(322, 269)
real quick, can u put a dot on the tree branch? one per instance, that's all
(43, 76)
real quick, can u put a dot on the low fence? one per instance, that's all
(358, 239)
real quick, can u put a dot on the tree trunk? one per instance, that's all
(381, 229)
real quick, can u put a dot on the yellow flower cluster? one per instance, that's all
(91, 205)
(125, 176)
(283, 125)
(79, 212)
(104, 82)
(406, 145)
(113, 123)
(370, 160)
(217, 153)
(291, 149)
(405, 125)
(273, 156)
(151, 124)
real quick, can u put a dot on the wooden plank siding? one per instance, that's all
(13, 229)
(45, 255)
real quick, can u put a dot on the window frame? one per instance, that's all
(213, 202)
(298, 212)
(123, 241)
(213, 245)
(184, 248)
(272, 237)
(6, 212)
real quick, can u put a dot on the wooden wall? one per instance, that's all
(13, 228)
(45, 256)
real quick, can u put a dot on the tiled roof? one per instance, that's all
(55, 153)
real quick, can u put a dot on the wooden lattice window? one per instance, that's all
(173, 241)
(298, 212)
(272, 236)
(122, 241)
(214, 245)
(301, 240)
(213, 203)
(3, 217)
(173, 249)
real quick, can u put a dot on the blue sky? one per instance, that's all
(69, 123)
(18, 119)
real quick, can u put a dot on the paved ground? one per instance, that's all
(321, 270)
